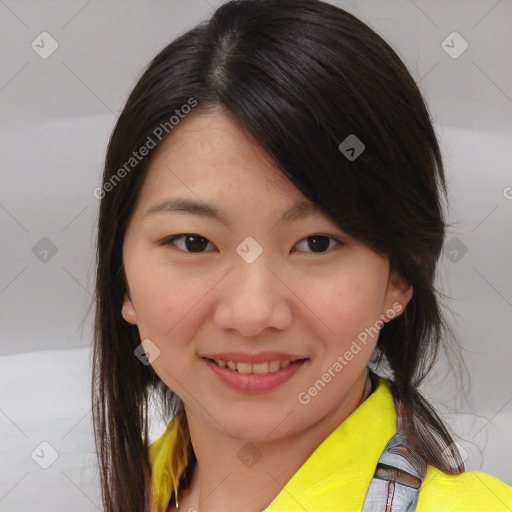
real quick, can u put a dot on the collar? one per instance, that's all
(335, 477)
(337, 474)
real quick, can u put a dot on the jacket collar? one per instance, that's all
(337, 474)
(335, 477)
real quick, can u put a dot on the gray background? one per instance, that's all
(56, 117)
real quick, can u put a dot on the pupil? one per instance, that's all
(195, 243)
(323, 242)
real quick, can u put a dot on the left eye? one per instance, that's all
(195, 244)
(320, 242)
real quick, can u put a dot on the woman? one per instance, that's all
(270, 223)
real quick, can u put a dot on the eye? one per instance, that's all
(194, 243)
(319, 243)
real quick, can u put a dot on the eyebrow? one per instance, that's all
(300, 210)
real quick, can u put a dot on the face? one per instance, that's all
(289, 300)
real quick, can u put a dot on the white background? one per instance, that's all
(56, 117)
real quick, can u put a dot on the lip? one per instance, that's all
(254, 383)
(260, 357)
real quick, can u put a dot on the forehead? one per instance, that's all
(211, 151)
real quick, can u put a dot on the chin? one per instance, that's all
(260, 427)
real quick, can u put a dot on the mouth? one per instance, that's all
(256, 368)
(260, 373)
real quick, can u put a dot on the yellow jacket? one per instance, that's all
(336, 476)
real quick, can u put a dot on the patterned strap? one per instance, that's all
(396, 484)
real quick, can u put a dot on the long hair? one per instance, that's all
(300, 76)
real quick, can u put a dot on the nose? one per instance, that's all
(253, 297)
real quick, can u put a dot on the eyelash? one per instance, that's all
(169, 241)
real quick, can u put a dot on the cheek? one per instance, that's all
(163, 296)
(163, 303)
(352, 308)
(168, 303)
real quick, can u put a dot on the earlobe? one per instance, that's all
(128, 311)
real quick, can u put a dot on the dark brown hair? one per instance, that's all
(300, 76)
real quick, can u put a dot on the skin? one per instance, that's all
(290, 299)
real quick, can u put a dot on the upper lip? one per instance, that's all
(261, 357)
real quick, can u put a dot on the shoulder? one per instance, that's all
(471, 491)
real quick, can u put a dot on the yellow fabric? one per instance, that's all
(336, 476)
(163, 481)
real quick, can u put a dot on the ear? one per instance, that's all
(128, 311)
(398, 295)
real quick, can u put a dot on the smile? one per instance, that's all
(257, 377)
(256, 368)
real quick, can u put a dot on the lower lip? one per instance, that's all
(253, 383)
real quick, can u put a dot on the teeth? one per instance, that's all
(244, 367)
(273, 366)
(260, 368)
(257, 368)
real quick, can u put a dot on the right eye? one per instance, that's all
(190, 242)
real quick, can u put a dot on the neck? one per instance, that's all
(221, 483)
